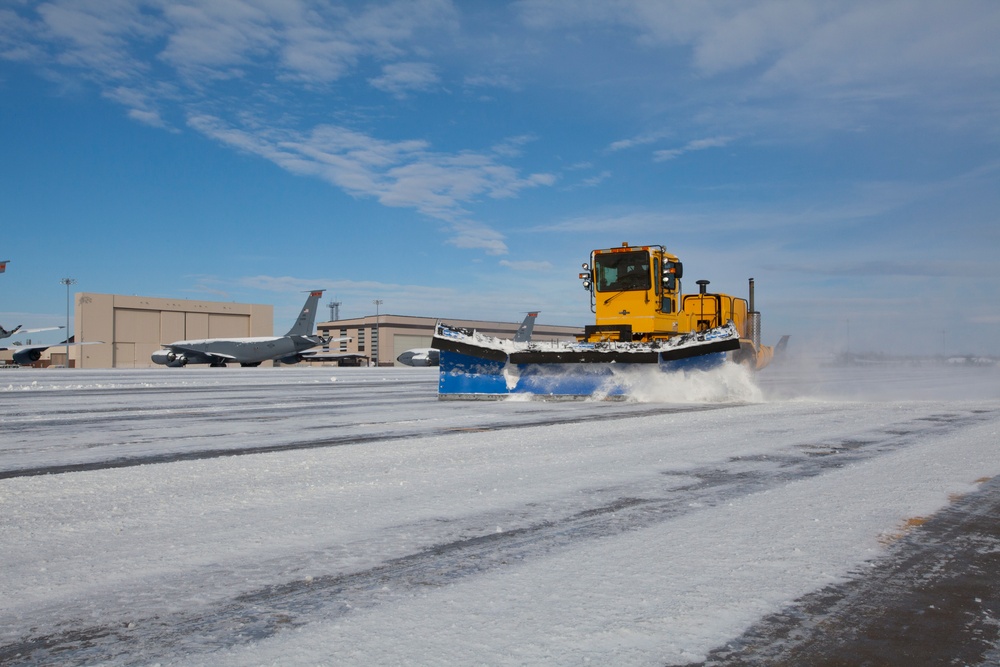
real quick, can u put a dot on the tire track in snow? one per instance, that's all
(264, 612)
(544, 419)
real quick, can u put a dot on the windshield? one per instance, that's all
(622, 271)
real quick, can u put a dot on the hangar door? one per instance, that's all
(136, 337)
(228, 326)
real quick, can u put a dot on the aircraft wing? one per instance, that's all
(4, 333)
(37, 330)
(45, 346)
(307, 354)
(193, 351)
(312, 351)
(319, 355)
(26, 354)
(323, 340)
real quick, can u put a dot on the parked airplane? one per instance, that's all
(25, 355)
(288, 349)
(7, 333)
(428, 356)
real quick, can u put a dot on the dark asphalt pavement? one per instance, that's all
(934, 599)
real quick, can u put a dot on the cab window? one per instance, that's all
(622, 271)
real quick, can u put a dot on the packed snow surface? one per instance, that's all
(329, 516)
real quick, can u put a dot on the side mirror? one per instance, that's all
(672, 272)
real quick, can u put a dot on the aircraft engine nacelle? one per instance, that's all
(25, 357)
(168, 358)
(423, 356)
(291, 359)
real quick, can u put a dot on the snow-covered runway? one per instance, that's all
(346, 516)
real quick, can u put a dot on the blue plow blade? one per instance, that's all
(466, 377)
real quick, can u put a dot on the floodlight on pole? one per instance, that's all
(377, 302)
(334, 307)
(67, 282)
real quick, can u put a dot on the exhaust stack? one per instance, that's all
(753, 321)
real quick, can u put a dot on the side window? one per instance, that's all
(607, 275)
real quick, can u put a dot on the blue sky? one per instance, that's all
(461, 159)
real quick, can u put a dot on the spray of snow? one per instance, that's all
(647, 383)
(724, 384)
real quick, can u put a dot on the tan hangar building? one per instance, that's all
(133, 327)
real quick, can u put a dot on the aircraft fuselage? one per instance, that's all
(247, 351)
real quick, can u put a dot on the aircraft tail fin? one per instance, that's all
(306, 322)
(779, 349)
(523, 334)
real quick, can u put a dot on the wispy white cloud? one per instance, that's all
(93, 36)
(398, 174)
(513, 146)
(588, 182)
(526, 265)
(301, 41)
(640, 140)
(630, 222)
(500, 81)
(150, 118)
(467, 234)
(13, 45)
(596, 180)
(668, 153)
(694, 145)
(400, 79)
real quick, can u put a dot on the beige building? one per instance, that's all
(385, 337)
(133, 327)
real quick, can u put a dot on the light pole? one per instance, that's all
(377, 302)
(67, 282)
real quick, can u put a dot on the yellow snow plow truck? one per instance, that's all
(642, 319)
(635, 293)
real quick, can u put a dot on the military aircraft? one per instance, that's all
(428, 356)
(25, 355)
(288, 349)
